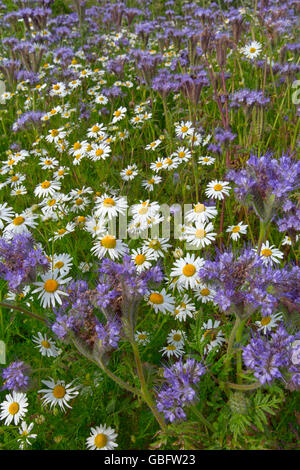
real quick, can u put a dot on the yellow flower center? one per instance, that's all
(100, 441)
(13, 408)
(156, 298)
(181, 154)
(236, 229)
(128, 172)
(95, 129)
(81, 218)
(45, 184)
(51, 202)
(252, 50)
(218, 187)
(45, 344)
(200, 233)
(54, 132)
(56, 87)
(139, 259)
(142, 336)
(108, 202)
(109, 241)
(18, 220)
(61, 231)
(11, 161)
(189, 270)
(205, 292)
(51, 285)
(199, 208)
(77, 146)
(79, 201)
(151, 181)
(117, 113)
(61, 172)
(266, 252)
(14, 178)
(59, 391)
(265, 321)
(184, 129)
(159, 165)
(211, 333)
(177, 337)
(59, 264)
(171, 347)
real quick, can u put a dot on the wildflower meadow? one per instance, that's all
(149, 225)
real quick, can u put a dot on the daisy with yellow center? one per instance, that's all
(129, 173)
(13, 408)
(109, 245)
(217, 189)
(161, 301)
(201, 213)
(45, 345)
(119, 114)
(102, 438)
(172, 350)
(184, 129)
(185, 308)
(237, 230)
(268, 322)
(142, 337)
(252, 50)
(269, 254)
(204, 293)
(142, 259)
(47, 188)
(176, 337)
(58, 393)
(200, 235)
(186, 271)
(110, 206)
(48, 289)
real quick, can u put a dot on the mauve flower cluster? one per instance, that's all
(243, 284)
(275, 357)
(16, 377)
(27, 120)
(266, 183)
(178, 391)
(248, 98)
(21, 261)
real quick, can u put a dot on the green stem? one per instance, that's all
(201, 418)
(243, 387)
(23, 310)
(231, 341)
(239, 352)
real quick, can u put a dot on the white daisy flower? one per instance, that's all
(186, 271)
(109, 245)
(201, 213)
(237, 230)
(20, 224)
(48, 163)
(204, 293)
(252, 50)
(142, 259)
(161, 301)
(157, 247)
(119, 114)
(13, 408)
(129, 173)
(58, 393)
(182, 154)
(79, 148)
(217, 189)
(49, 288)
(26, 434)
(101, 99)
(176, 337)
(142, 337)
(270, 254)
(6, 214)
(186, 308)
(62, 262)
(47, 188)
(54, 135)
(85, 267)
(45, 345)
(60, 233)
(201, 235)
(172, 350)
(149, 183)
(110, 207)
(184, 129)
(153, 145)
(268, 322)
(102, 438)
(206, 160)
(96, 130)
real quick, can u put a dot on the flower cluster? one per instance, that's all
(275, 357)
(16, 377)
(178, 391)
(20, 260)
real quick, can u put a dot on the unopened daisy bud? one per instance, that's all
(178, 253)
(58, 439)
(40, 419)
(239, 403)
